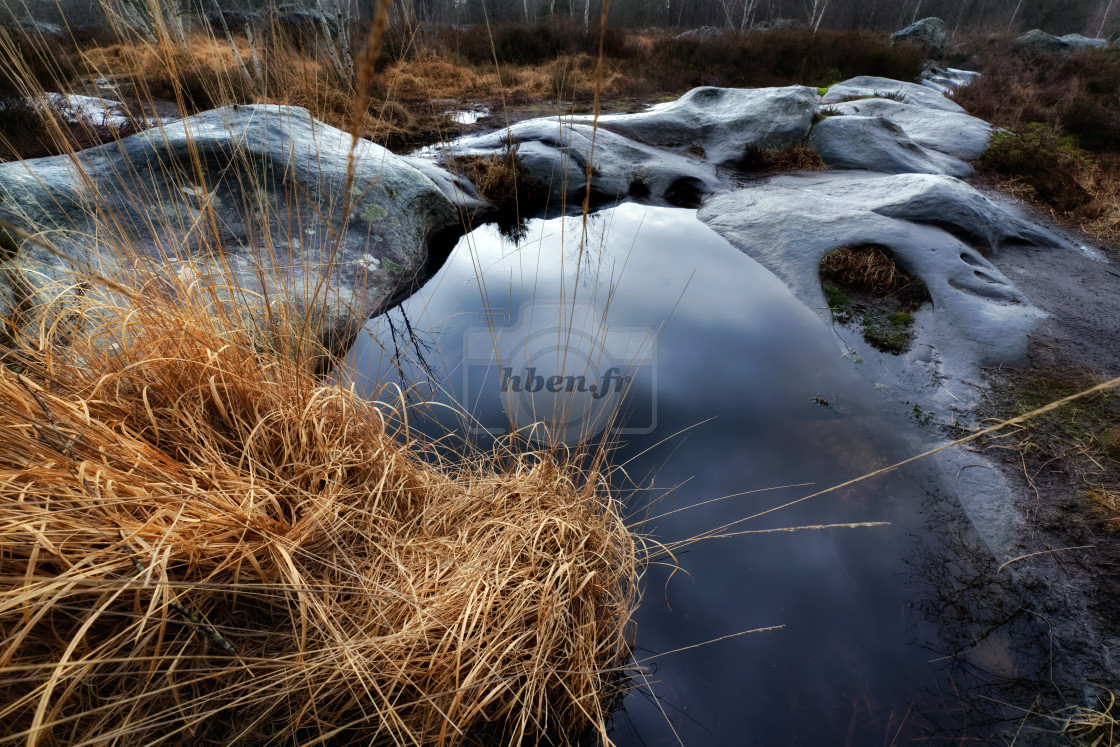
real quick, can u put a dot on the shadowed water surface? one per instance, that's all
(745, 390)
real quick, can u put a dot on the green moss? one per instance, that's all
(888, 333)
(920, 416)
(822, 90)
(391, 267)
(1091, 420)
(838, 303)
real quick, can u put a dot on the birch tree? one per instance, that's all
(816, 9)
(1104, 18)
(151, 19)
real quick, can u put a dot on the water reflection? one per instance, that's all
(741, 370)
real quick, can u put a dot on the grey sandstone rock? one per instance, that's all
(868, 86)
(952, 133)
(789, 223)
(878, 144)
(556, 152)
(945, 80)
(1077, 41)
(633, 152)
(700, 34)
(928, 33)
(723, 121)
(248, 198)
(1037, 40)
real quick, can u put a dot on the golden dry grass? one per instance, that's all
(205, 72)
(1096, 727)
(794, 158)
(502, 180)
(202, 542)
(867, 268)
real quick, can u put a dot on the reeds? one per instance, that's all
(202, 542)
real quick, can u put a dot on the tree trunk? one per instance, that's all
(1013, 14)
(1104, 18)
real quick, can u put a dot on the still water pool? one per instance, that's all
(881, 634)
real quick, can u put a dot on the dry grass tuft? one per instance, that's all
(794, 158)
(201, 541)
(870, 269)
(502, 180)
(1099, 728)
(204, 73)
(428, 76)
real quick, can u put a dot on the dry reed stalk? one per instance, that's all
(201, 541)
(1093, 726)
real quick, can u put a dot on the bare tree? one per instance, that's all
(150, 18)
(749, 7)
(1014, 13)
(1104, 18)
(816, 9)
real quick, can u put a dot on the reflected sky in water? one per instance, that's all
(741, 369)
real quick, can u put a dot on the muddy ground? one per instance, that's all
(1065, 465)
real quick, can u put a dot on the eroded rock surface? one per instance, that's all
(934, 225)
(945, 79)
(556, 152)
(928, 33)
(952, 133)
(871, 87)
(874, 143)
(1037, 40)
(251, 194)
(701, 34)
(667, 154)
(1077, 41)
(723, 121)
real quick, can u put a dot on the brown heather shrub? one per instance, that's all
(1076, 93)
(777, 57)
(1062, 116)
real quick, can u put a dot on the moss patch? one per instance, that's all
(888, 333)
(864, 283)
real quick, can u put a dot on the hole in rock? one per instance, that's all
(865, 284)
(686, 192)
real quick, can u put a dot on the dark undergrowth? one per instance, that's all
(661, 62)
(523, 67)
(1061, 113)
